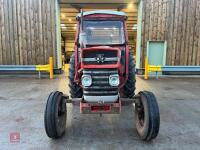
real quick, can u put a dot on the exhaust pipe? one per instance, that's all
(82, 36)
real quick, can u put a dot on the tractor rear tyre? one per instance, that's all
(129, 87)
(147, 117)
(55, 115)
(75, 90)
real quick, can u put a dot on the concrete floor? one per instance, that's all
(22, 103)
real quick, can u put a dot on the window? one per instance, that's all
(104, 32)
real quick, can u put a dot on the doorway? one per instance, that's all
(70, 8)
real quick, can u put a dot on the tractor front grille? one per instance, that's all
(100, 82)
(100, 57)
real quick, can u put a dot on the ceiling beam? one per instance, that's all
(75, 13)
(73, 22)
(74, 10)
(75, 31)
(77, 7)
(97, 1)
(96, 5)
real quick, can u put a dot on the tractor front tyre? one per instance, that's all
(55, 115)
(75, 90)
(147, 117)
(129, 87)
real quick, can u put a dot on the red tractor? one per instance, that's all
(102, 76)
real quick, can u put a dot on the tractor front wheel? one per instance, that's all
(147, 116)
(55, 115)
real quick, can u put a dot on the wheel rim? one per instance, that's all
(140, 114)
(61, 114)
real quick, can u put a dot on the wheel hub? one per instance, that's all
(141, 114)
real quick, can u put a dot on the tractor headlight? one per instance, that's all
(86, 80)
(114, 80)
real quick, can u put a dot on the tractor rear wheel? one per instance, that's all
(147, 117)
(55, 115)
(129, 87)
(75, 90)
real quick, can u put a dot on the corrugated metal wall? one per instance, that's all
(177, 22)
(27, 31)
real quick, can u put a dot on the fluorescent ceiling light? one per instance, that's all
(64, 27)
(63, 15)
(130, 5)
(134, 28)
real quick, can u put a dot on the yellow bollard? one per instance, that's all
(51, 67)
(146, 69)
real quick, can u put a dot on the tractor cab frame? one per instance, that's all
(102, 16)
